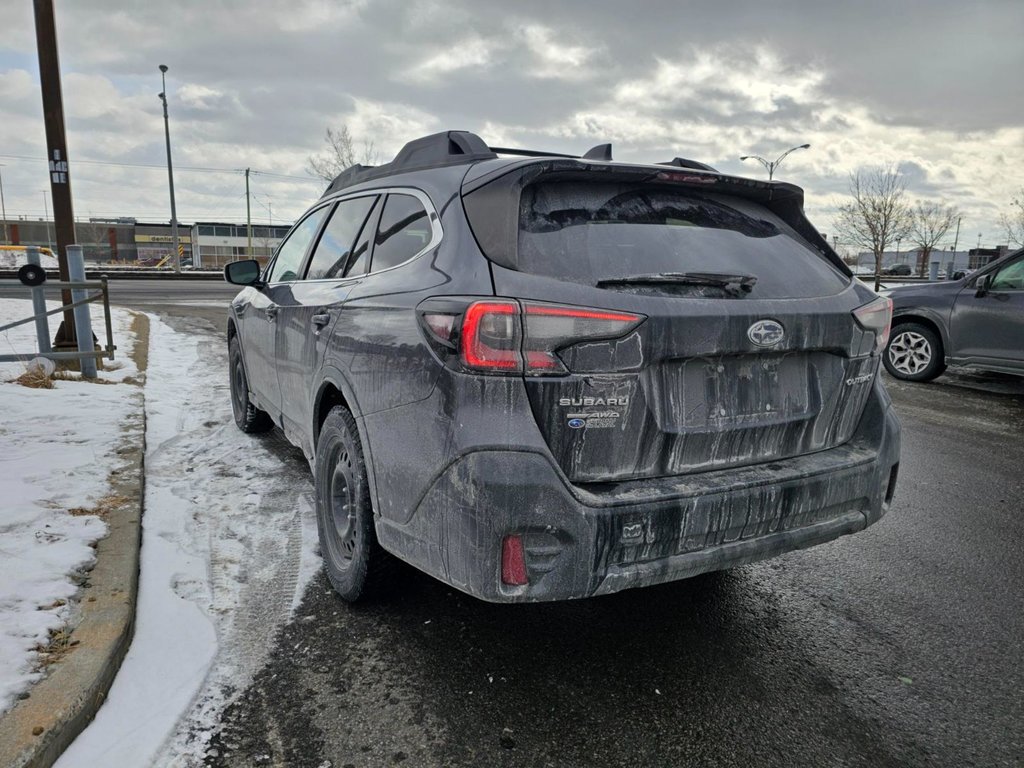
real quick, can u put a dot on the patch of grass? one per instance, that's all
(57, 647)
(35, 378)
(103, 507)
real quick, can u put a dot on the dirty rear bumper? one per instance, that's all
(582, 541)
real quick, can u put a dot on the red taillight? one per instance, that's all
(490, 336)
(549, 328)
(876, 317)
(502, 337)
(513, 562)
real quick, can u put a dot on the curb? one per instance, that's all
(35, 732)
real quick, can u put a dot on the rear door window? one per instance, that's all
(334, 250)
(404, 230)
(588, 232)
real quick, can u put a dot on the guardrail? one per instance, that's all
(33, 277)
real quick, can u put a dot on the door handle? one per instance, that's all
(271, 313)
(321, 319)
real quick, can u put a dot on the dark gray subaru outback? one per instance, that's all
(541, 377)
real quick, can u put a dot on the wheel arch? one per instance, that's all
(334, 390)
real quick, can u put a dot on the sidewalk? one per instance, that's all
(71, 462)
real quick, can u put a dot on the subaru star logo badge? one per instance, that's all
(766, 333)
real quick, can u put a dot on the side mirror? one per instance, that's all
(243, 272)
(982, 285)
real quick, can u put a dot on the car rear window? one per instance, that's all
(592, 232)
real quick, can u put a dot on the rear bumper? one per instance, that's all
(597, 540)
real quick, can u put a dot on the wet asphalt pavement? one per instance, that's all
(901, 645)
(898, 646)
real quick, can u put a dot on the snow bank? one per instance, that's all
(56, 449)
(15, 259)
(228, 546)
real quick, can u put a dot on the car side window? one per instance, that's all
(293, 249)
(333, 251)
(404, 230)
(1009, 278)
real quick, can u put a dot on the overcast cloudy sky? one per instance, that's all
(935, 85)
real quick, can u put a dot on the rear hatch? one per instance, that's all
(744, 350)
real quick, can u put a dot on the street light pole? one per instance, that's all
(771, 165)
(170, 172)
(3, 208)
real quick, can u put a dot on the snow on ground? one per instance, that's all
(15, 259)
(229, 539)
(57, 447)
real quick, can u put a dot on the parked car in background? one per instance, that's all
(976, 321)
(897, 269)
(542, 377)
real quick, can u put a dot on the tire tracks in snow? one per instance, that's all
(246, 499)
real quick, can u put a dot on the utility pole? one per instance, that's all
(248, 216)
(957, 240)
(170, 172)
(3, 208)
(57, 152)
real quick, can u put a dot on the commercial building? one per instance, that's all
(124, 240)
(102, 240)
(216, 243)
(154, 243)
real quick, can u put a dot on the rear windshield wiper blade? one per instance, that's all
(715, 279)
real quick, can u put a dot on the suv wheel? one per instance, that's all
(248, 417)
(914, 353)
(356, 564)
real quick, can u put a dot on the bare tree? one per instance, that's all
(878, 215)
(340, 154)
(1013, 221)
(930, 223)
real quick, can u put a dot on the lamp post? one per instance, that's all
(170, 172)
(771, 165)
(3, 208)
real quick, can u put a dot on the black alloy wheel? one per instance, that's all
(248, 417)
(356, 565)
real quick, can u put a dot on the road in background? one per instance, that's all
(897, 646)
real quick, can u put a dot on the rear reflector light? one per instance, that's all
(440, 324)
(513, 562)
(876, 317)
(500, 337)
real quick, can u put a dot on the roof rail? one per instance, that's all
(682, 162)
(600, 152)
(461, 148)
(529, 152)
(436, 150)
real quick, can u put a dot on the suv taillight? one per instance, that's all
(549, 328)
(490, 337)
(505, 336)
(877, 317)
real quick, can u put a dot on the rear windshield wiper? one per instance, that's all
(745, 282)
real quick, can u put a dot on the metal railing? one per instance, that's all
(33, 278)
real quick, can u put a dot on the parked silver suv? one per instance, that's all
(977, 321)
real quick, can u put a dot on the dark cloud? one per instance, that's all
(256, 83)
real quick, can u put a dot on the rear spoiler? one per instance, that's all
(492, 196)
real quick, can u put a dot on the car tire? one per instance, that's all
(248, 417)
(357, 566)
(914, 353)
